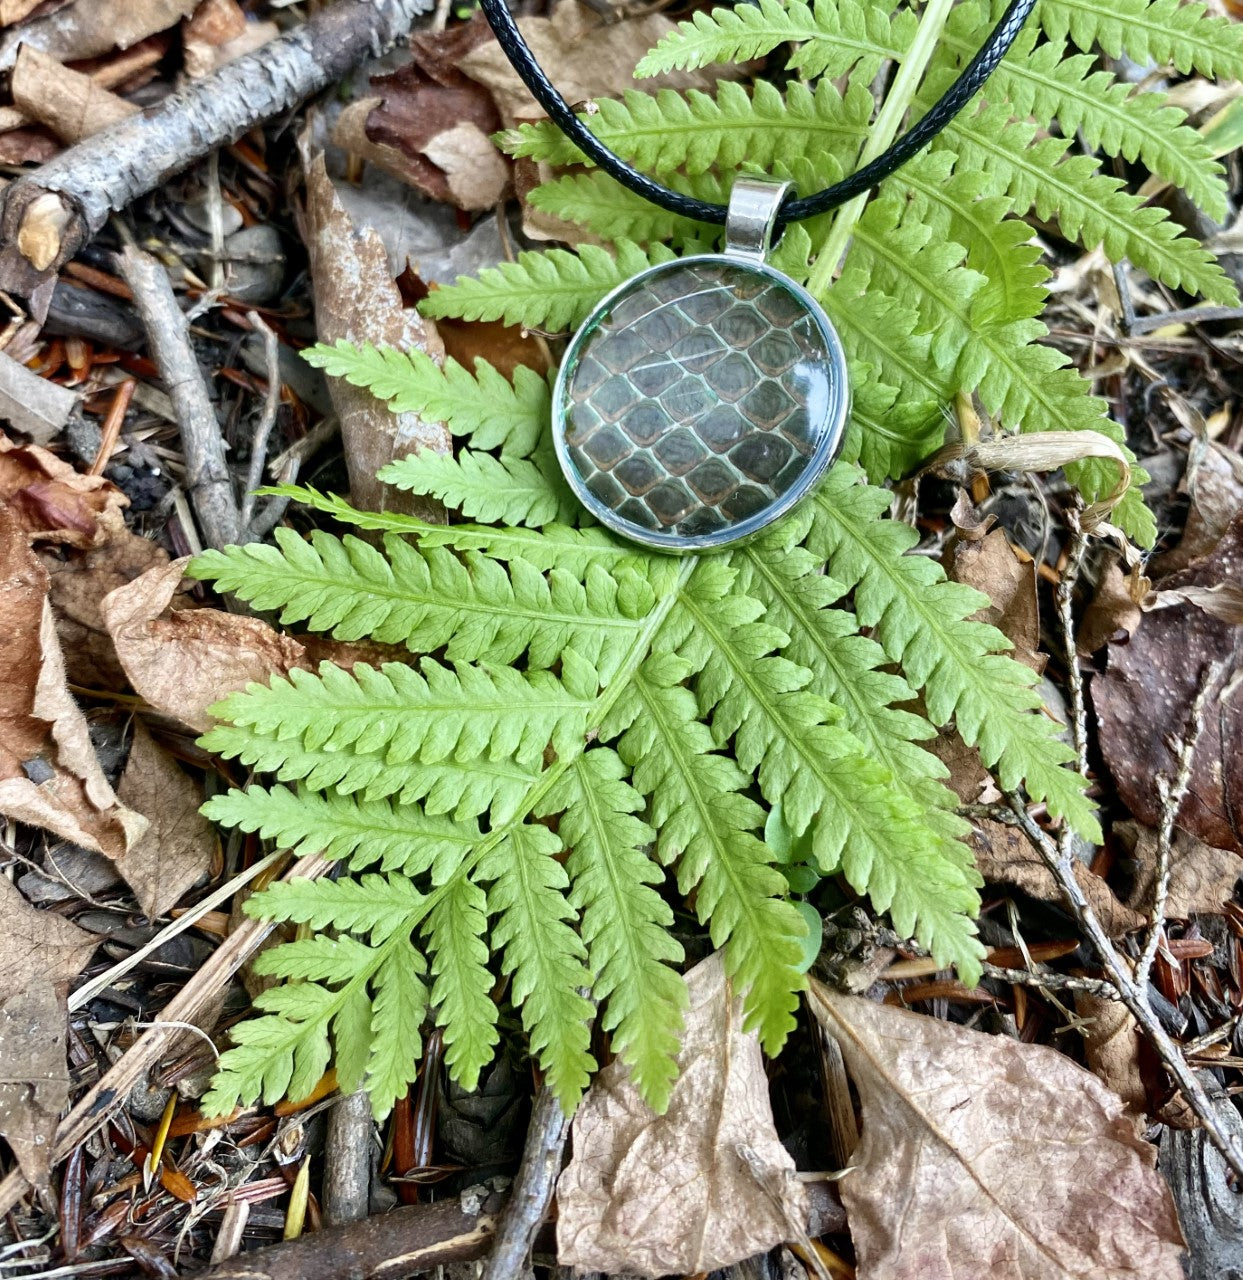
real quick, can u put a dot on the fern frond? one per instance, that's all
(669, 132)
(1043, 82)
(625, 922)
(1089, 206)
(427, 599)
(435, 713)
(510, 490)
(543, 954)
(485, 406)
(1169, 32)
(923, 621)
(551, 290)
(462, 986)
(397, 1010)
(377, 905)
(834, 37)
(604, 207)
(394, 837)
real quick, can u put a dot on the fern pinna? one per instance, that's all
(583, 721)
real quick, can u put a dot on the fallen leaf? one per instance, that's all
(1115, 611)
(31, 404)
(1202, 878)
(658, 1194)
(49, 774)
(217, 32)
(78, 585)
(990, 565)
(1143, 701)
(38, 945)
(28, 146)
(35, 1084)
(1111, 1047)
(88, 30)
(68, 102)
(1004, 855)
(982, 1156)
(15, 10)
(357, 299)
(177, 848)
(51, 501)
(504, 346)
(584, 55)
(183, 662)
(1215, 486)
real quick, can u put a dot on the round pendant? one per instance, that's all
(699, 402)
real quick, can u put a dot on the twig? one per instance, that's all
(389, 1246)
(111, 431)
(111, 1090)
(1061, 863)
(1053, 981)
(533, 1189)
(263, 432)
(1172, 796)
(347, 1160)
(50, 214)
(207, 473)
(1065, 609)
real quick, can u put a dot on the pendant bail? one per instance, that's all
(753, 207)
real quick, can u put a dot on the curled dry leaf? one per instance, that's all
(1202, 878)
(217, 32)
(985, 1157)
(177, 848)
(659, 1194)
(1215, 486)
(49, 774)
(1144, 699)
(88, 30)
(34, 1084)
(68, 102)
(1115, 611)
(356, 299)
(1004, 855)
(50, 500)
(989, 564)
(183, 662)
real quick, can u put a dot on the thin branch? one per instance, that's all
(1061, 863)
(1172, 796)
(1053, 981)
(532, 1190)
(271, 409)
(1065, 609)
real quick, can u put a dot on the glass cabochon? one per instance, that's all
(699, 402)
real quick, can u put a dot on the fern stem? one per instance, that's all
(897, 103)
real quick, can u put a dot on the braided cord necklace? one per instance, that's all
(707, 395)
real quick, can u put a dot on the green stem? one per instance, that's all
(897, 103)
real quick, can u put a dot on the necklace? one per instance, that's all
(706, 396)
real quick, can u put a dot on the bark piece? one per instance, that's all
(183, 662)
(985, 1157)
(69, 103)
(49, 215)
(659, 1194)
(31, 404)
(49, 774)
(49, 500)
(37, 944)
(176, 849)
(1143, 700)
(356, 299)
(34, 1087)
(1004, 855)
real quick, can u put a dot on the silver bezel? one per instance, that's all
(826, 451)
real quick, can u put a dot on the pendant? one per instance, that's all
(704, 397)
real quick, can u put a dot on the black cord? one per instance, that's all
(968, 84)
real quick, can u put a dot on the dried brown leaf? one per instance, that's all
(1201, 877)
(989, 564)
(658, 1194)
(34, 1085)
(52, 501)
(1215, 485)
(1004, 855)
(49, 774)
(177, 848)
(183, 662)
(584, 56)
(217, 32)
(88, 30)
(356, 299)
(15, 10)
(31, 404)
(68, 102)
(982, 1156)
(1144, 699)
(1111, 1047)
(1115, 610)
(37, 944)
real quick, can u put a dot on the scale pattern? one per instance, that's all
(698, 398)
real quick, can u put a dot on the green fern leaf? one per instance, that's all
(318, 959)
(397, 1011)
(373, 904)
(485, 407)
(544, 955)
(510, 490)
(625, 922)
